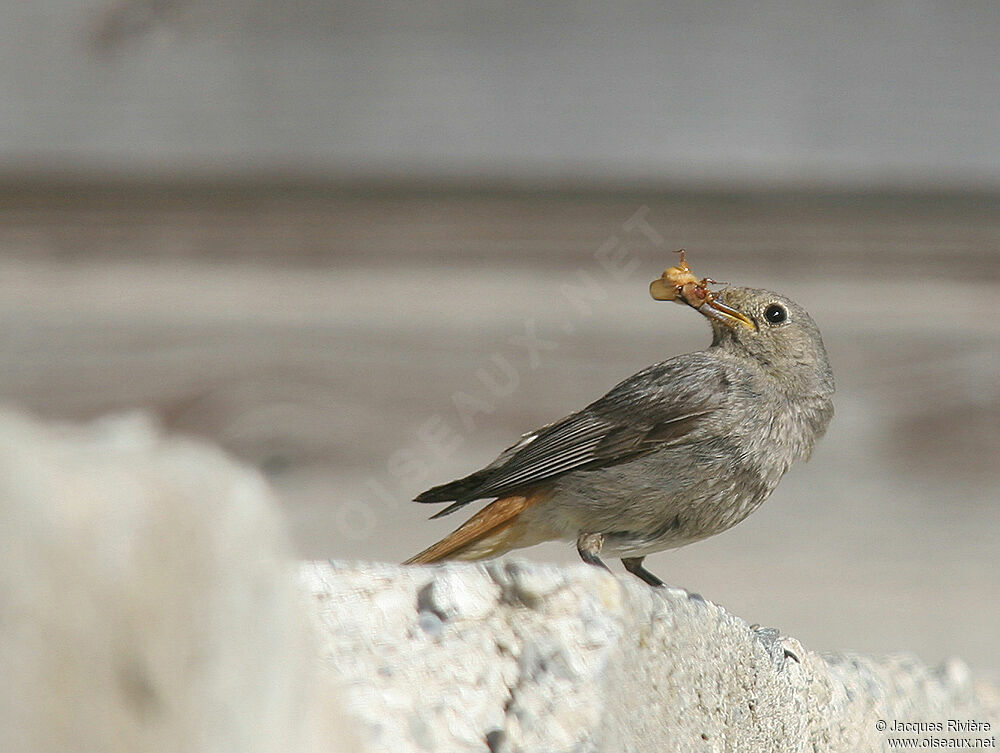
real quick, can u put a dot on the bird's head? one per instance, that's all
(774, 331)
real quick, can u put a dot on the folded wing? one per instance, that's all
(669, 403)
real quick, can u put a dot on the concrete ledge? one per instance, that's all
(512, 656)
(147, 599)
(148, 602)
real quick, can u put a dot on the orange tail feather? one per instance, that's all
(493, 530)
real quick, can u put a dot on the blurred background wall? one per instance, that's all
(846, 94)
(321, 235)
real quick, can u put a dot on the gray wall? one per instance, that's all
(892, 93)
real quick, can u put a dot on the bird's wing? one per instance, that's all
(664, 404)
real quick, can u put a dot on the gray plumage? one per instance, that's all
(681, 450)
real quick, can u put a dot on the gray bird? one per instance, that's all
(683, 450)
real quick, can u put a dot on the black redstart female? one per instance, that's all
(683, 450)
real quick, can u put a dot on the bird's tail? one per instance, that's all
(495, 529)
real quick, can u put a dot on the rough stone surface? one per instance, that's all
(147, 603)
(507, 656)
(147, 599)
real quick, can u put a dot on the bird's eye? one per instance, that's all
(775, 313)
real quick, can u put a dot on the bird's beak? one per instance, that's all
(715, 309)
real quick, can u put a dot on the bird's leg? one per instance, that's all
(589, 546)
(634, 566)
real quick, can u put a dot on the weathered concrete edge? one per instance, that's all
(642, 667)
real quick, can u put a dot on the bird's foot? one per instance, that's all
(634, 566)
(589, 546)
